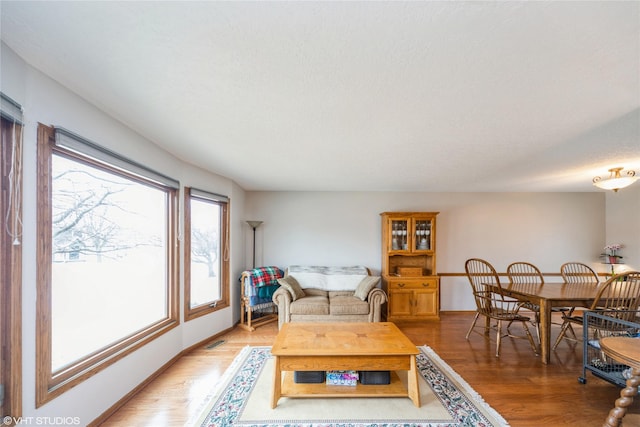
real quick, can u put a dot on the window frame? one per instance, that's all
(191, 313)
(51, 384)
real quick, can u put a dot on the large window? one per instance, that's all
(206, 253)
(106, 264)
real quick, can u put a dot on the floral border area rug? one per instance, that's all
(242, 398)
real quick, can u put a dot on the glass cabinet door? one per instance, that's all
(422, 235)
(400, 234)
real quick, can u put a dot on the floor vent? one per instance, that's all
(214, 344)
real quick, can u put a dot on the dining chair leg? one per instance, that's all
(473, 325)
(534, 347)
(573, 333)
(498, 338)
(537, 325)
(563, 331)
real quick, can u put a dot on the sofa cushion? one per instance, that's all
(292, 285)
(310, 305)
(333, 294)
(365, 286)
(316, 292)
(347, 304)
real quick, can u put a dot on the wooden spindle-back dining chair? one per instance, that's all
(618, 297)
(579, 274)
(525, 274)
(491, 302)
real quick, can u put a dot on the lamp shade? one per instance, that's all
(254, 224)
(616, 180)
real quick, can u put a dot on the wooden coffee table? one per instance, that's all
(343, 346)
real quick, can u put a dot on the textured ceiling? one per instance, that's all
(402, 96)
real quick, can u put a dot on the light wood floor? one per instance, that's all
(523, 390)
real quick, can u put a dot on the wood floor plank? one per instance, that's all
(524, 391)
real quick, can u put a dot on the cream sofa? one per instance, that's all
(329, 294)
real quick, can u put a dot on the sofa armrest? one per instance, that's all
(376, 298)
(282, 299)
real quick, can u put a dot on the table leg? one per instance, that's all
(545, 331)
(412, 383)
(625, 400)
(277, 383)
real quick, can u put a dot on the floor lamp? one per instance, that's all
(254, 225)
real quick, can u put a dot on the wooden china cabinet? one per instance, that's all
(409, 266)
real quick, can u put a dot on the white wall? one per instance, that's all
(337, 228)
(47, 102)
(623, 224)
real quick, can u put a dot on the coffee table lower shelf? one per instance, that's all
(396, 388)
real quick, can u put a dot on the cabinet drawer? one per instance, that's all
(414, 283)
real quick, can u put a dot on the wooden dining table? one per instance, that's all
(625, 350)
(547, 296)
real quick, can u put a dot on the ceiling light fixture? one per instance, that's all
(615, 181)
